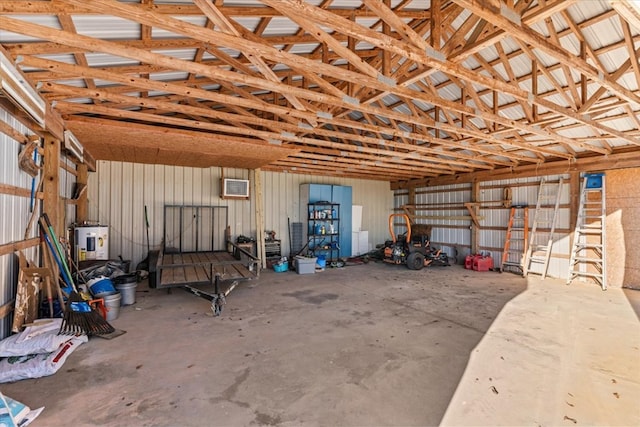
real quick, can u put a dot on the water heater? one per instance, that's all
(91, 242)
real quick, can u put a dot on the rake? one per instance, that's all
(79, 317)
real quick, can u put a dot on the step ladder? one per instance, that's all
(544, 226)
(516, 242)
(588, 255)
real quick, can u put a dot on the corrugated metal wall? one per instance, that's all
(282, 201)
(119, 191)
(443, 206)
(14, 213)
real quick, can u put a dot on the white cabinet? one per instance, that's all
(359, 243)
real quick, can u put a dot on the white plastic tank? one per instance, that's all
(91, 242)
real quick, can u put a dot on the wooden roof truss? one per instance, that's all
(386, 90)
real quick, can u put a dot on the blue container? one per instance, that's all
(281, 267)
(594, 180)
(321, 262)
(101, 286)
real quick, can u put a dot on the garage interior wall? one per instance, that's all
(118, 192)
(443, 208)
(15, 214)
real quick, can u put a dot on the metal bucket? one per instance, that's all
(128, 292)
(112, 304)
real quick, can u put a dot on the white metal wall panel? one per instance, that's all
(119, 191)
(282, 200)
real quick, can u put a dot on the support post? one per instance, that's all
(82, 203)
(257, 190)
(475, 229)
(574, 202)
(51, 185)
(412, 202)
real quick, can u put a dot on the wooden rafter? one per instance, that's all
(385, 90)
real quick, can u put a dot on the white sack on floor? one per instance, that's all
(21, 414)
(16, 368)
(40, 338)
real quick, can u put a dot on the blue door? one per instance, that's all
(343, 196)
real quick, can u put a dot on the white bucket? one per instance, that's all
(112, 304)
(128, 292)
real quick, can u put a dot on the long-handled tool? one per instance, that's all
(79, 317)
(144, 264)
(52, 250)
(146, 221)
(52, 235)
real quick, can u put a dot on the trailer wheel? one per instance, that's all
(415, 261)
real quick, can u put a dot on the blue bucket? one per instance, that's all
(321, 262)
(101, 286)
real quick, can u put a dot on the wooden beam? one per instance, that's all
(9, 248)
(323, 17)
(20, 7)
(502, 17)
(7, 308)
(51, 189)
(274, 54)
(212, 12)
(410, 151)
(18, 191)
(620, 160)
(82, 203)
(257, 186)
(474, 229)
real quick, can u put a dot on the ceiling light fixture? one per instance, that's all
(15, 86)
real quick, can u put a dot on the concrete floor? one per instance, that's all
(364, 345)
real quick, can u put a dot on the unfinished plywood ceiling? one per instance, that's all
(396, 90)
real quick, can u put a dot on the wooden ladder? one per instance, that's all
(541, 241)
(589, 236)
(516, 242)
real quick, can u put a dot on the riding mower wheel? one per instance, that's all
(415, 261)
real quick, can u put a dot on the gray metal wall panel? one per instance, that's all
(524, 191)
(14, 216)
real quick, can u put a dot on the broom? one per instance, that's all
(79, 317)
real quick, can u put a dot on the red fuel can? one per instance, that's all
(483, 263)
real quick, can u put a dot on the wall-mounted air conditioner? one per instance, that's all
(235, 188)
(15, 87)
(72, 145)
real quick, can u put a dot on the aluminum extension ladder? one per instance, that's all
(546, 215)
(516, 242)
(588, 254)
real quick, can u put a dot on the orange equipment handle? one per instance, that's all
(407, 222)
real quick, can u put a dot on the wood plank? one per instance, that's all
(191, 268)
(20, 7)
(190, 271)
(51, 182)
(11, 247)
(7, 308)
(258, 191)
(621, 160)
